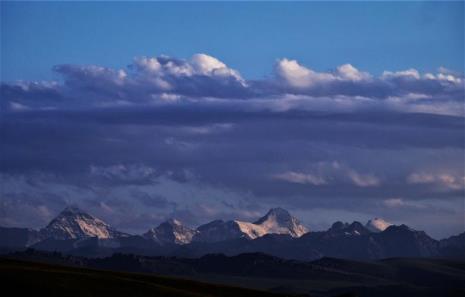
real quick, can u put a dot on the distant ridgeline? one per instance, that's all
(32, 272)
(278, 233)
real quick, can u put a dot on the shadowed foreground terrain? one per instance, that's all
(38, 279)
(220, 275)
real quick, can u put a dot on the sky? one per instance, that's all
(138, 112)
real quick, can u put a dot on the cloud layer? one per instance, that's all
(193, 139)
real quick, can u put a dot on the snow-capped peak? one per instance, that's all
(251, 230)
(279, 220)
(171, 231)
(377, 225)
(276, 221)
(73, 223)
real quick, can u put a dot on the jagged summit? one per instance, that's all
(171, 231)
(74, 223)
(338, 226)
(279, 220)
(219, 230)
(400, 228)
(355, 228)
(375, 225)
(276, 221)
(278, 214)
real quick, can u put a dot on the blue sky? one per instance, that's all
(140, 112)
(247, 36)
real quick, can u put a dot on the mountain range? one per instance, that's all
(277, 233)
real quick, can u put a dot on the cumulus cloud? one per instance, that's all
(296, 75)
(299, 76)
(199, 64)
(165, 80)
(349, 72)
(207, 65)
(201, 76)
(146, 80)
(346, 80)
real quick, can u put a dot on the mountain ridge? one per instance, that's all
(171, 231)
(74, 223)
(277, 233)
(275, 221)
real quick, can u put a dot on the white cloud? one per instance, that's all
(349, 72)
(297, 75)
(420, 178)
(449, 78)
(168, 97)
(92, 74)
(147, 64)
(394, 202)
(444, 76)
(300, 178)
(208, 65)
(444, 180)
(363, 180)
(209, 129)
(409, 74)
(199, 64)
(422, 205)
(15, 106)
(203, 78)
(324, 173)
